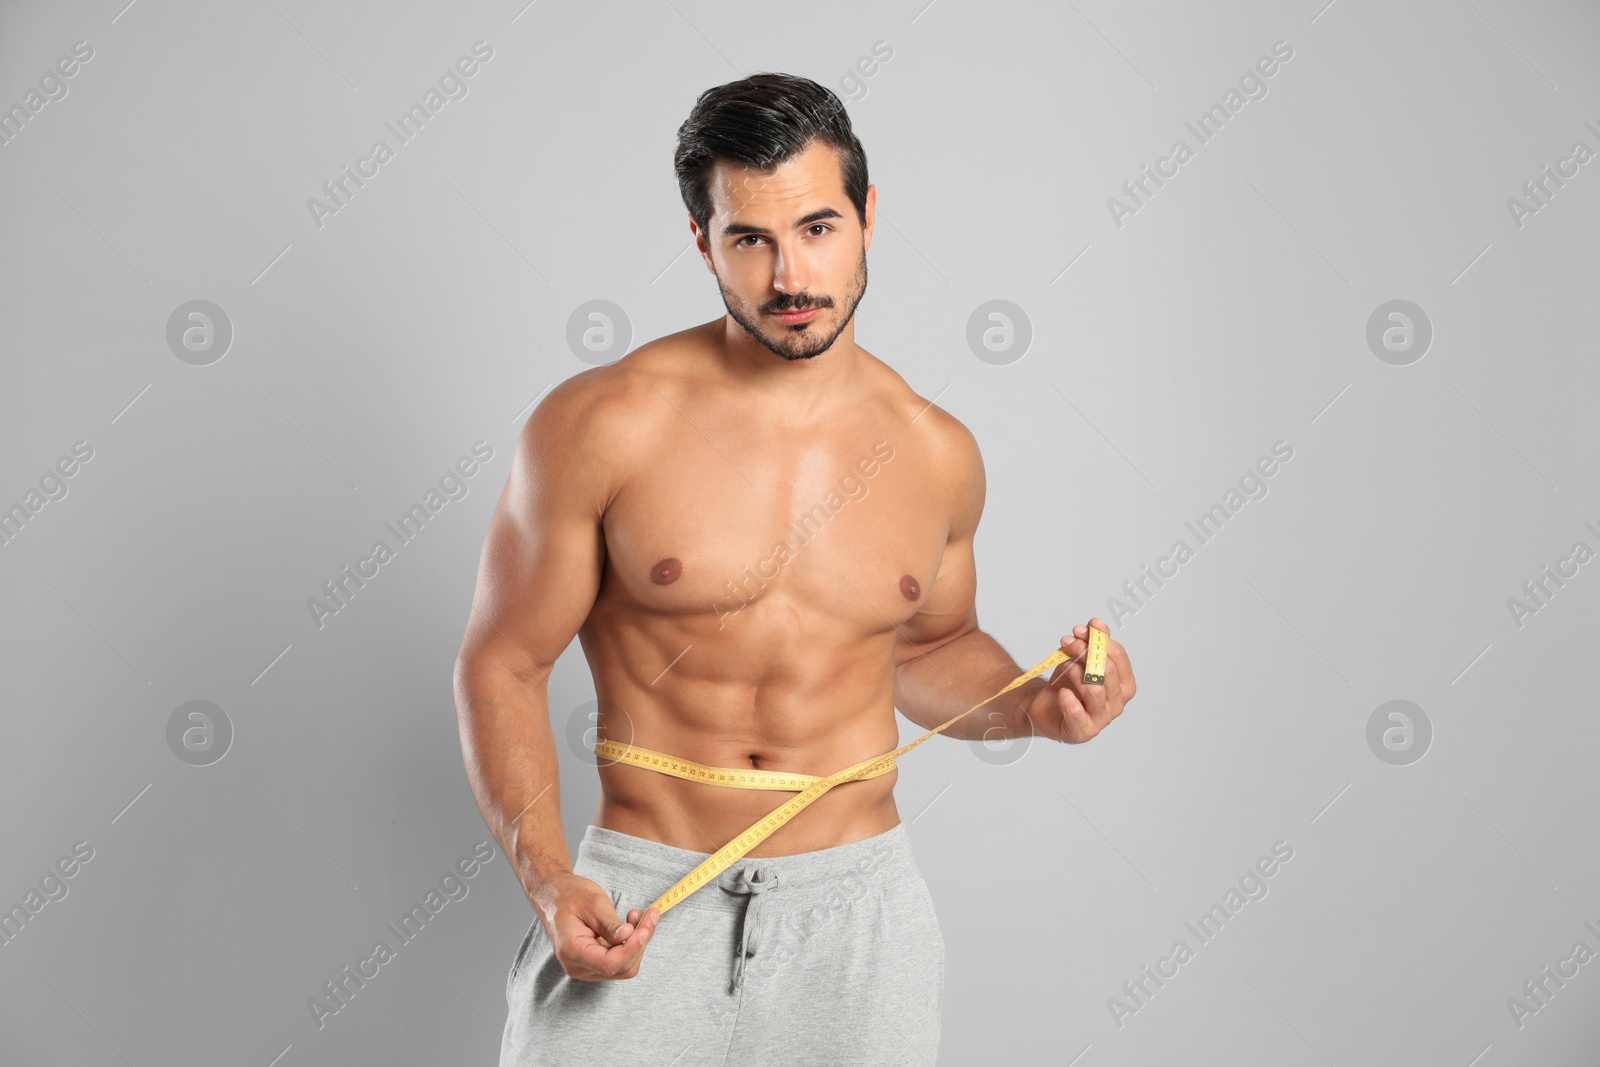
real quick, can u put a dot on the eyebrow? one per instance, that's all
(737, 229)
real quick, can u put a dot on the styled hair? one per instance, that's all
(761, 121)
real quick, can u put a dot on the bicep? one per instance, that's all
(544, 550)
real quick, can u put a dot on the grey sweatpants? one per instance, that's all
(829, 957)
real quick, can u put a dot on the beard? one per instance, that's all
(804, 340)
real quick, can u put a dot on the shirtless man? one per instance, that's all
(763, 540)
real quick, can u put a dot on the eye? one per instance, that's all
(740, 243)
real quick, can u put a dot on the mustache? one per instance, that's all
(800, 303)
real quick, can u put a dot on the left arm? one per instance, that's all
(944, 664)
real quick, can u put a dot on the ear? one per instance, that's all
(702, 241)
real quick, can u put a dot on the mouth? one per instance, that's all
(790, 318)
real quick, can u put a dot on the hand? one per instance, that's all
(591, 943)
(1069, 710)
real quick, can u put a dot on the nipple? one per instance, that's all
(666, 572)
(909, 587)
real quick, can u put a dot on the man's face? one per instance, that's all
(788, 241)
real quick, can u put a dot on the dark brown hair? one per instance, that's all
(761, 121)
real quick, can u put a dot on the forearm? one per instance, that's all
(933, 688)
(510, 756)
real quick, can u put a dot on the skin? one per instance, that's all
(642, 513)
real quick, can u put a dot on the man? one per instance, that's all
(764, 541)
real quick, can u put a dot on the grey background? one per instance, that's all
(1229, 313)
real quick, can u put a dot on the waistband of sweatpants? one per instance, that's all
(643, 869)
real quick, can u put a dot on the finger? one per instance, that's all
(624, 959)
(1104, 704)
(1083, 631)
(600, 961)
(1048, 718)
(1070, 673)
(1074, 647)
(617, 938)
(583, 953)
(602, 919)
(617, 931)
(1076, 723)
(1092, 697)
(1119, 655)
(1113, 687)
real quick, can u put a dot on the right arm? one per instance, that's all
(538, 577)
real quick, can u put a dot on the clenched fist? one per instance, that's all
(590, 941)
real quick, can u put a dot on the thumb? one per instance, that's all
(603, 919)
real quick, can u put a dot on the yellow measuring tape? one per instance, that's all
(808, 786)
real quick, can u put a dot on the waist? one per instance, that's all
(726, 777)
(670, 799)
(641, 868)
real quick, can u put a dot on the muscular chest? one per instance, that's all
(849, 531)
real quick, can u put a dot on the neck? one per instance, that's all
(801, 386)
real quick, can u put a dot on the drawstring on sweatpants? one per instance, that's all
(753, 880)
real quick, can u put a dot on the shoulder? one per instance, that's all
(598, 424)
(618, 391)
(950, 448)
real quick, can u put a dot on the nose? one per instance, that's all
(791, 273)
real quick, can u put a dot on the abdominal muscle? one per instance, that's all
(817, 721)
(703, 818)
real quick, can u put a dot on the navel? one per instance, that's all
(666, 572)
(909, 587)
